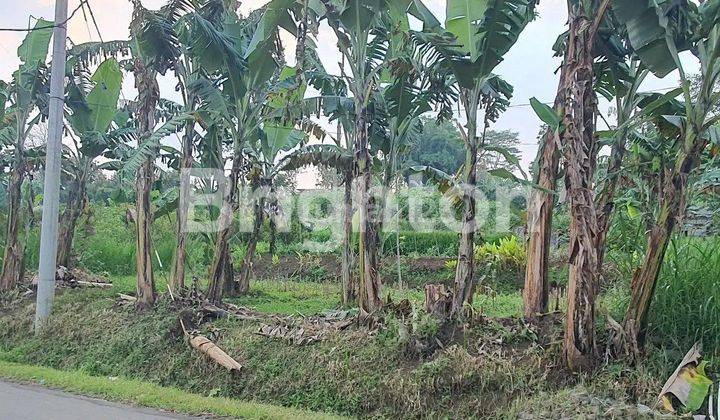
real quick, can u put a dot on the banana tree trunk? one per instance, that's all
(369, 286)
(465, 270)
(540, 214)
(272, 249)
(273, 210)
(149, 94)
(673, 203)
(580, 156)
(143, 220)
(75, 207)
(222, 249)
(348, 288)
(13, 268)
(177, 275)
(246, 270)
(605, 203)
(229, 283)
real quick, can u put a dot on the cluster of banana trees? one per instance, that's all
(609, 49)
(23, 104)
(242, 108)
(237, 94)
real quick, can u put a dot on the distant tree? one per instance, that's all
(506, 140)
(438, 146)
(328, 177)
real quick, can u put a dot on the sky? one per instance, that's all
(530, 66)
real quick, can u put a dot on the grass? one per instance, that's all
(685, 308)
(297, 297)
(354, 373)
(290, 297)
(397, 371)
(308, 298)
(149, 395)
(686, 305)
(377, 374)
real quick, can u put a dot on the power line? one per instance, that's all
(55, 25)
(92, 16)
(661, 90)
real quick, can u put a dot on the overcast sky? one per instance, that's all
(529, 67)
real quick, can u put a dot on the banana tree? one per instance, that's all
(265, 168)
(486, 31)
(580, 146)
(187, 71)
(148, 96)
(24, 100)
(682, 26)
(337, 156)
(284, 109)
(352, 22)
(240, 57)
(580, 152)
(610, 56)
(627, 99)
(415, 83)
(334, 104)
(155, 50)
(361, 31)
(93, 107)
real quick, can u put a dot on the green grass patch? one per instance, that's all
(686, 305)
(148, 395)
(308, 298)
(290, 297)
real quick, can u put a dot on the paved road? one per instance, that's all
(26, 402)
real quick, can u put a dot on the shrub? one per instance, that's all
(508, 253)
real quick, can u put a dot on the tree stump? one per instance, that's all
(438, 300)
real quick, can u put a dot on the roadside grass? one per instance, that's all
(398, 371)
(148, 395)
(354, 372)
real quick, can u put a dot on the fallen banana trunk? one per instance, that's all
(127, 298)
(206, 346)
(92, 283)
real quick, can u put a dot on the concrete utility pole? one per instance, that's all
(51, 190)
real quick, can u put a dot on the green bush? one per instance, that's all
(507, 253)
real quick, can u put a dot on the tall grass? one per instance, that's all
(686, 306)
(108, 246)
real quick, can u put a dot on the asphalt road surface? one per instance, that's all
(29, 402)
